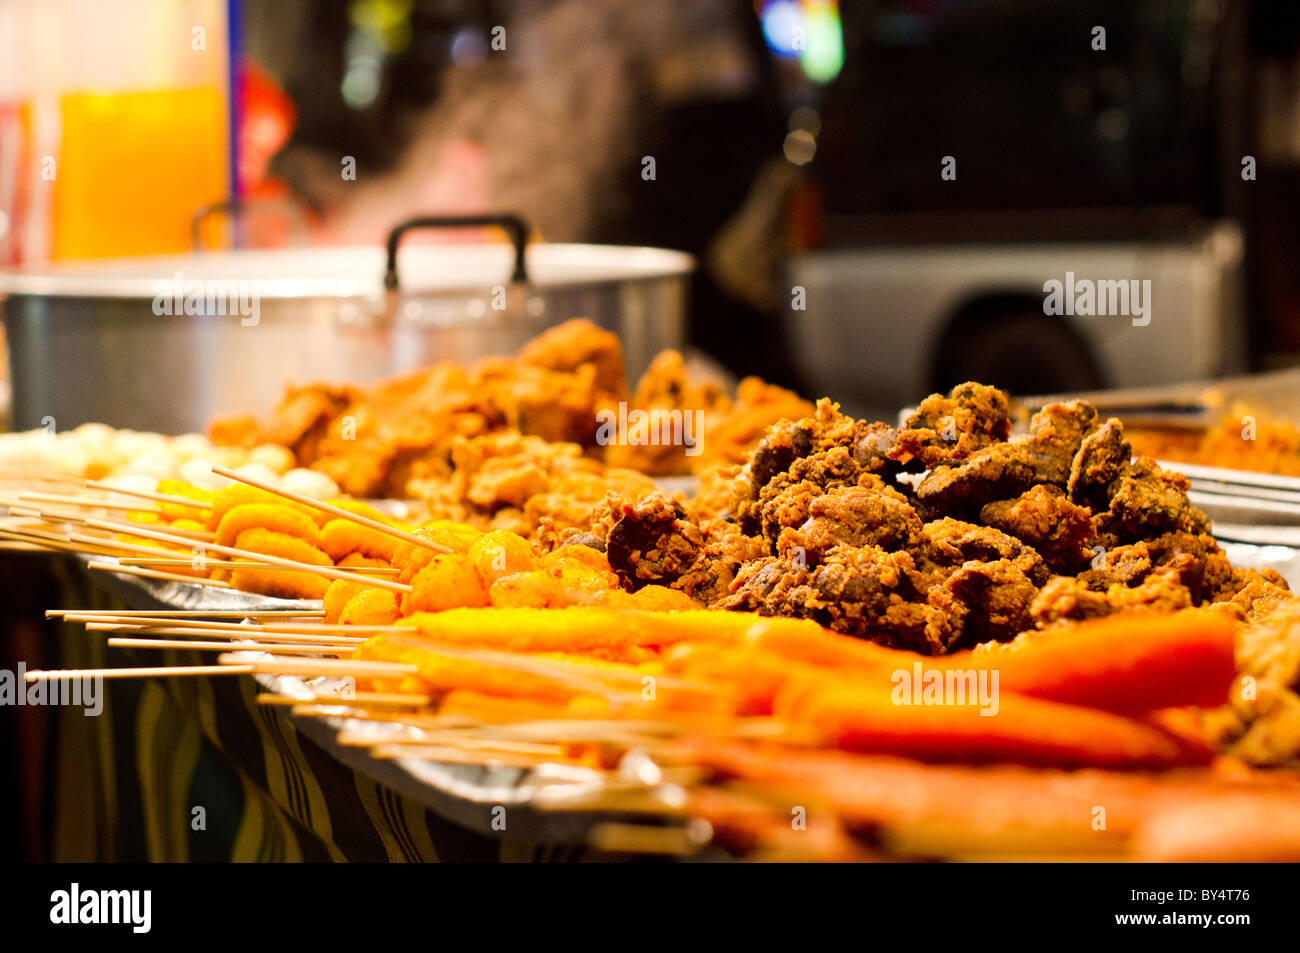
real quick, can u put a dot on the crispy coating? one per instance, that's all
(654, 542)
(272, 516)
(501, 553)
(337, 595)
(1000, 535)
(371, 606)
(445, 582)
(284, 583)
(240, 494)
(1044, 517)
(174, 511)
(341, 537)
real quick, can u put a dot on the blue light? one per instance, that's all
(783, 27)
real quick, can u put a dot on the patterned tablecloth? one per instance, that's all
(193, 769)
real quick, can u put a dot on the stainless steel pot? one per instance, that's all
(105, 341)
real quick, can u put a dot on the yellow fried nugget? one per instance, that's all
(579, 580)
(272, 516)
(572, 552)
(463, 530)
(239, 494)
(536, 589)
(447, 581)
(174, 511)
(360, 561)
(339, 537)
(410, 558)
(285, 583)
(501, 553)
(371, 606)
(337, 595)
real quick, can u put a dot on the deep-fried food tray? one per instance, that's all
(543, 803)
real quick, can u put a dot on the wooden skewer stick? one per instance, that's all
(50, 544)
(353, 633)
(59, 516)
(329, 572)
(459, 756)
(164, 671)
(334, 510)
(223, 637)
(106, 621)
(367, 699)
(338, 668)
(158, 574)
(162, 561)
(35, 497)
(146, 495)
(186, 613)
(122, 547)
(364, 739)
(226, 646)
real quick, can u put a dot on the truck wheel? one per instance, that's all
(1022, 352)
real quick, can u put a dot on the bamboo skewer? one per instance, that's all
(185, 613)
(338, 668)
(33, 496)
(51, 544)
(163, 671)
(223, 637)
(334, 510)
(329, 572)
(159, 575)
(226, 646)
(231, 564)
(179, 536)
(365, 699)
(147, 495)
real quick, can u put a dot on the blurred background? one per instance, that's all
(875, 191)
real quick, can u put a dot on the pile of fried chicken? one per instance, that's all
(515, 443)
(940, 534)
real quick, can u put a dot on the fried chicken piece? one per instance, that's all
(995, 473)
(577, 343)
(780, 454)
(713, 489)
(653, 541)
(730, 434)
(1005, 470)
(1101, 457)
(1254, 592)
(860, 591)
(972, 417)
(1122, 565)
(1148, 501)
(997, 596)
(300, 419)
(668, 431)
(952, 543)
(867, 514)
(1071, 599)
(1044, 518)
(726, 549)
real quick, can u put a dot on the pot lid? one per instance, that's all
(348, 271)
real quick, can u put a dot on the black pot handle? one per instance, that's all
(237, 207)
(515, 227)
